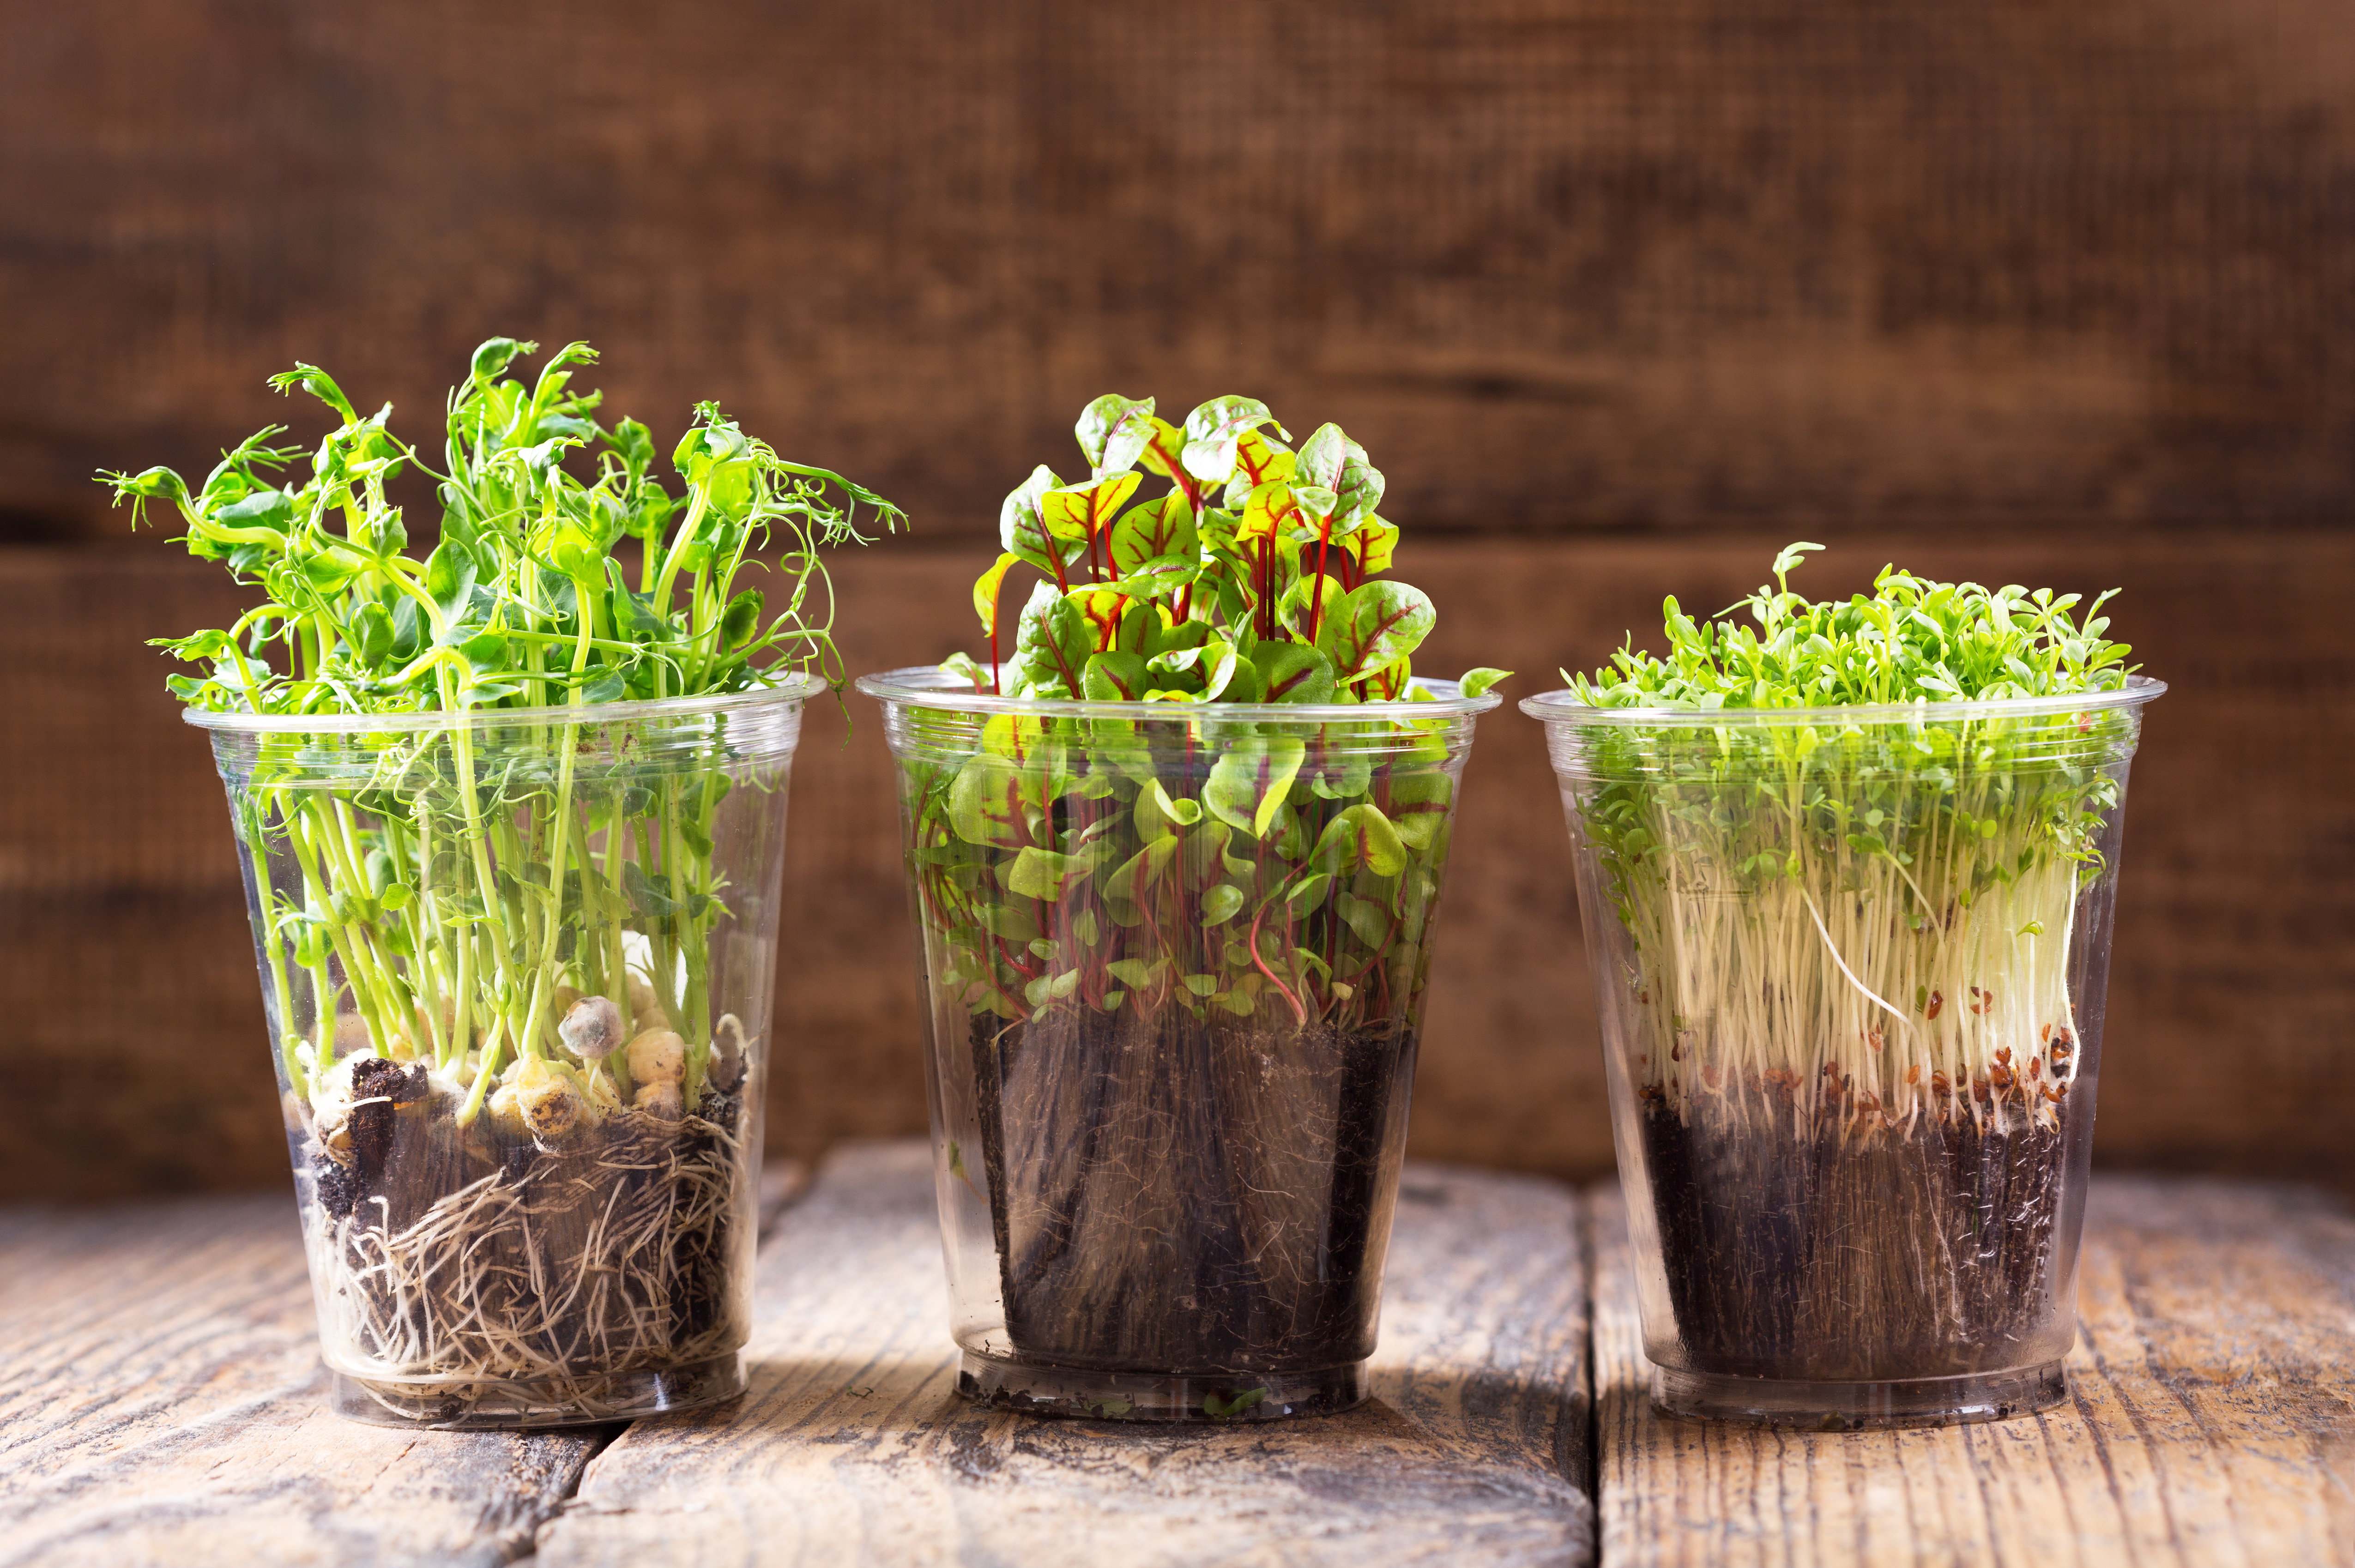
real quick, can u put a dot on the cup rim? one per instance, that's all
(1564, 706)
(927, 685)
(797, 687)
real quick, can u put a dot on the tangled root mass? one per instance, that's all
(455, 1255)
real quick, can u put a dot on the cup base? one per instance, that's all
(1079, 1393)
(444, 1404)
(1820, 1406)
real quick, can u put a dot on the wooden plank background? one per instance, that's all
(1622, 295)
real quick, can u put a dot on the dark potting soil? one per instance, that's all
(1802, 1247)
(1176, 1196)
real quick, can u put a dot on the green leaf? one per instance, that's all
(372, 632)
(319, 384)
(1162, 577)
(1141, 873)
(1113, 677)
(1477, 682)
(1114, 431)
(991, 801)
(1212, 432)
(1219, 904)
(1419, 799)
(1077, 513)
(264, 509)
(1360, 836)
(487, 652)
(1247, 784)
(493, 356)
(1308, 893)
(1370, 920)
(1052, 989)
(1376, 625)
(450, 579)
(741, 619)
(1137, 974)
(987, 587)
(1370, 548)
(1157, 814)
(1040, 873)
(1022, 531)
(1219, 662)
(1294, 672)
(1102, 611)
(1153, 530)
(1053, 639)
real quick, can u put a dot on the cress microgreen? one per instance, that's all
(1882, 902)
(1850, 914)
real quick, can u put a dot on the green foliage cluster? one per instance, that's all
(455, 878)
(1885, 892)
(523, 601)
(1915, 640)
(1251, 579)
(1207, 864)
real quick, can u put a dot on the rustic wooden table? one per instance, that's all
(159, 1402)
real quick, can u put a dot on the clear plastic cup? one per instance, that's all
(1173, 960)
(517, 968)
(1851, 965)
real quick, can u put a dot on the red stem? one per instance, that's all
(1317, 588)
(1298, 1011)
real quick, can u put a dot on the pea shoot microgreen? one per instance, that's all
(511, 923)
(525, 602)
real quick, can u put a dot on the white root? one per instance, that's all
(556, 1289)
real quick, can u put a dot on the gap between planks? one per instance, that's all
(853, 1446)
(2211, 1417)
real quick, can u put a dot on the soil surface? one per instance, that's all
(1175, 1196)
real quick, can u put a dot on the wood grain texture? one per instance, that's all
(122, 912)
(2212, 1418)
(161, 1402)
(853, 1446)
(1562, 264)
